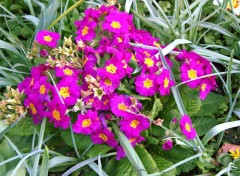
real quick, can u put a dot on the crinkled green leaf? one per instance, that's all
(97, 150)
(203, 124)
(157, 107)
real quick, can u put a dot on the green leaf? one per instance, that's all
(157, 107)
(45, 160)
(96, 150)
(163, 164)
(3, 168)
(218, 129)
(203, 124)
(175, 155)
(224, 159)
(60, 161)
(147, 159)
(82, 141)
(213, 104)
(24, 127)
(191, 100)
(120, 168)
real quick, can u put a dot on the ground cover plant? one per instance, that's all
(119, 87)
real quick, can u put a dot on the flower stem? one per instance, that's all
(65, 13)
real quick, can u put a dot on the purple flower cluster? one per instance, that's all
(106, 59)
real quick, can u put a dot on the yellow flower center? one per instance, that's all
(119, 40)
(156, 44)
(134, 124)
(147, 83)
(235, 4)
(56, 114)
(86, 123)
(47, 38)
(85, 31)
(33, 109)
(111, 69)
(188, 127)
(192, 74)
(166, 82)
(122, 107)
(108, 82)
(105, 102)
(64, 92)
(103, 137)
(116, 25)
(146, 53)
(149, 62)
(32, 82)
(203, 87)
(132, 139)
(68, 72)
(42, 89)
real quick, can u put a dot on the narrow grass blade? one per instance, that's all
(39, 146)
(177, 164)
(218, 129)
(173, 45)
(229, 79)
(59, 160)
(84, 163)
(34, 20)
(130, 152)
(45, 161)
(128, 5)
(151, 8)
(94, 167)
(100, 171)
(15, 171)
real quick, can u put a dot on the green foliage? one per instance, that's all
(204, 124)
(157, 107)
(82, 141)
(213, 105)
(98, 150)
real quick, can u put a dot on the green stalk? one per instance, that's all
(65, 13)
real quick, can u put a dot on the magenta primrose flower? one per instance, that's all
(134, 124)
(66, 72)
(57, 114)
(119, 106)
(207, 84)
(116, 22)
(47, 38)
(167, 145)
(165, 82)
(36, 109)
(85, 30)
(146, 84)
(187, 128)
(87, 123)
(104, 136)
(69, 90)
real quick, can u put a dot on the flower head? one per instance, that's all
(236, 154)
(187, 128)
(116, 22)
(167, 145)
(47, 38)
(146, 84)
(134, 124)
(165, 82)
(57, 114)
(104, 136)
(119, 106)
(87, 123)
